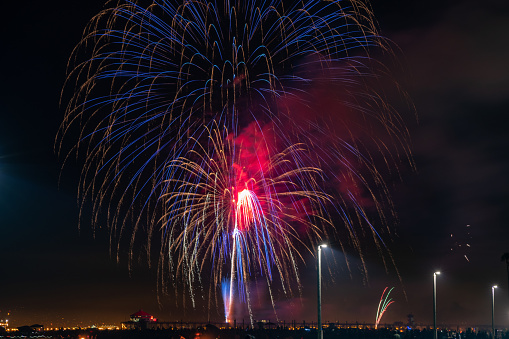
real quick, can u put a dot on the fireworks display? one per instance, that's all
(383, 305)
(240, 133)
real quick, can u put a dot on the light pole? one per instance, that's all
(493, 311)
(435, 304)
(319, 271)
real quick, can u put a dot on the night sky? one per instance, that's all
(453, 62)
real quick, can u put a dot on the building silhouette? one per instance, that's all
(140, 320)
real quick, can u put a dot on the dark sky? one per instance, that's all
(452, 62)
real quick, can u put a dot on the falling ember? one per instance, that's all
(460, 242)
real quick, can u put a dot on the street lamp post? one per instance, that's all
(435, 304)
(319, 271)
(493, 335)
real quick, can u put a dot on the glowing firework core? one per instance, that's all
(248, 210)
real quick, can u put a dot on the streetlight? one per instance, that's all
(320, 331)
(493, 311)
(435, 304)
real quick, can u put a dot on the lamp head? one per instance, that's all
(495, 286)
(437, 273)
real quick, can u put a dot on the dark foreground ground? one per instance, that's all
(211, 333)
